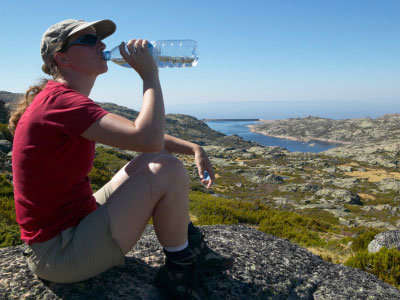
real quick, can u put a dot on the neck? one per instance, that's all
(82, 84)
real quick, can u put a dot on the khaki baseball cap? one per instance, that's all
(56, 35)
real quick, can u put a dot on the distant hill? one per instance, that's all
(9, 97)
(348, 131)
(186, 127)
(179, 125)
(7, 104)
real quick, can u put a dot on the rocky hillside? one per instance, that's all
(9, 97)
(183, 126)
(7, 103)
(372, 141)
(346, 183)
(186, 127)
(349, 131)
(265, 267)
(346, 191)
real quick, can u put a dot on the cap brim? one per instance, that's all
(104, 28)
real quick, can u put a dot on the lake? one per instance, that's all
(240, 128)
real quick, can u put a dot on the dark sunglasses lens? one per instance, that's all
(89, 39)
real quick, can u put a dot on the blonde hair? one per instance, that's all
(24, 102)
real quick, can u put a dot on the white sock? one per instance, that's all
(177, 248)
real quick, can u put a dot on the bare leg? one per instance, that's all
(151, 185)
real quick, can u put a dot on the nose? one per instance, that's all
(101, 46)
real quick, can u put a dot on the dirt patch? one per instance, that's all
(366, 196)
(325, 254)
(266, 188)
(374, 175)
(352, 164)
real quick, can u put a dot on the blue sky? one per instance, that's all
(250, 50)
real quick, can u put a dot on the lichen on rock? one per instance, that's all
(266, 267)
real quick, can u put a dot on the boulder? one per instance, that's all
(346, 183)
(388, 239)
(340, 196)
(389, 184)
(266, 267)
(5, 146)
(346, 197)
(272, 178)
(309, 187)
(257, 150)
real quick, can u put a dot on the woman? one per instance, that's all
(73, 235)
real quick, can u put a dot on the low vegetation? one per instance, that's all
(209, 209)
(238, 200)
(9, 230)
(385, 264)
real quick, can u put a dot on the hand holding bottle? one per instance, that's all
(203, 163)
(139, 57)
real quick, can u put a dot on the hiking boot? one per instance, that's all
(183, 280)
(207, 259)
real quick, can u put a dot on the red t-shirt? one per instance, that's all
(51, 162)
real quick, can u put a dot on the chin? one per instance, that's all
(104, 69)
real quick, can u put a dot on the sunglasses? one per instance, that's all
(84, 40)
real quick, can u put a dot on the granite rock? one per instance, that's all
(5, 146)
(388, 239)
(266, 267)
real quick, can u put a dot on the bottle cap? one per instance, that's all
(206, 176)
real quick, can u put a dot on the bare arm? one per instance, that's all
(146, 133)
(177, 145)
(152, 113)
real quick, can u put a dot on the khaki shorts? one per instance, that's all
(79, 252)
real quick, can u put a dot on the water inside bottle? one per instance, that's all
(120, 61)
(175, 61)
(164, 62)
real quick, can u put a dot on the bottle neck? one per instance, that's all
(107, 55)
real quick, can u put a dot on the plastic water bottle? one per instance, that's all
(166, 54)
(206, 176)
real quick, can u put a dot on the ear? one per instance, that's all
(61, 59)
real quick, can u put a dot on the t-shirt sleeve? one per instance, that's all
(72, 113)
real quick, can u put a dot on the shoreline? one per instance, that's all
(305, 140)
(231, 120)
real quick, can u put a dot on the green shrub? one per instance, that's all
(228, 211)
(289, 226)
(385, 264)
(361, 242)
(337, 245)
(98, 177)
(9, 234)
(213, 210)
(5, 132)
(9, 229)
(106, 163)
(7, 206)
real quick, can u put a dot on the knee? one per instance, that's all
(170, 167)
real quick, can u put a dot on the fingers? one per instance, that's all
(137, 46)
(137, 54)
(212, 178)
(207, 178)
(208, 182)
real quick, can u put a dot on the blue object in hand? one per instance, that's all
(206, 176)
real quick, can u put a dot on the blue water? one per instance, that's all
(240, 128)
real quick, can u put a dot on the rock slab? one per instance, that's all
(266, 267)
(388, 239)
